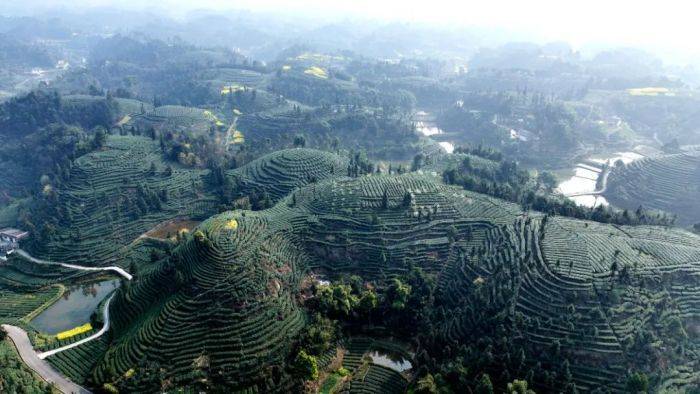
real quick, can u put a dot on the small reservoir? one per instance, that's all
(74, 307)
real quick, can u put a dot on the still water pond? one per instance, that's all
(390, 360)
(74, 308)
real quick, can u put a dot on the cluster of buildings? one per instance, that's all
(9, 241)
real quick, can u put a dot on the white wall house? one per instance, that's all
(9, 240)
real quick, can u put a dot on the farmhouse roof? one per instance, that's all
(14, 233)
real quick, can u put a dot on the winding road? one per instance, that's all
(35, 360)
(38, 365)
(118, 270)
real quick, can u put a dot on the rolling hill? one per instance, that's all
(561, 302)
(667, 183)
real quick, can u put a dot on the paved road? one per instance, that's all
(118, 270)
(105, 327)
(36, 361)
(41, 367)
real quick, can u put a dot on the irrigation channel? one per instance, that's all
(36, 361)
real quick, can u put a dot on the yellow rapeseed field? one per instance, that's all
(74, 331)
(231, 88)
(650, 91)
(317, 72)
(231, 224)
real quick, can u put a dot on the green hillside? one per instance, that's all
(669, 183)
(116, 195)
(279, 202)
(225, 309)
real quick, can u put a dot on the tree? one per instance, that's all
(426, 385)
(368, 302)
(306, 366)
(299, 141)
(133, 269)
(547, 180)
(418, 161)
(320, 334)
(420, 286)
(336, 299)
(407, 199)
(100, 138)
(637, 383)
(519, 387)
(397, 294)
(484, 386)
(3, 334)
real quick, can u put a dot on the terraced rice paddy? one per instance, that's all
(246, 275)
(368, 376)
(77, 363)
(174, 118)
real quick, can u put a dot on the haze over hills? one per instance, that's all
(233, 201)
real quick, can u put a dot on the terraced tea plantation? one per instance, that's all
(668, 183)
(112, 198)
(174, 118)
(581, 297)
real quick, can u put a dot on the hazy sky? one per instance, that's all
(672, 24)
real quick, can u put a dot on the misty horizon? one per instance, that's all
(667, 32)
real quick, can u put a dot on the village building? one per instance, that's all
(9, 240)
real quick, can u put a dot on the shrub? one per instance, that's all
(306, 366)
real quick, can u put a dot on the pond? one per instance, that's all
(74, 308)
(585, 177)
(390, 360)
